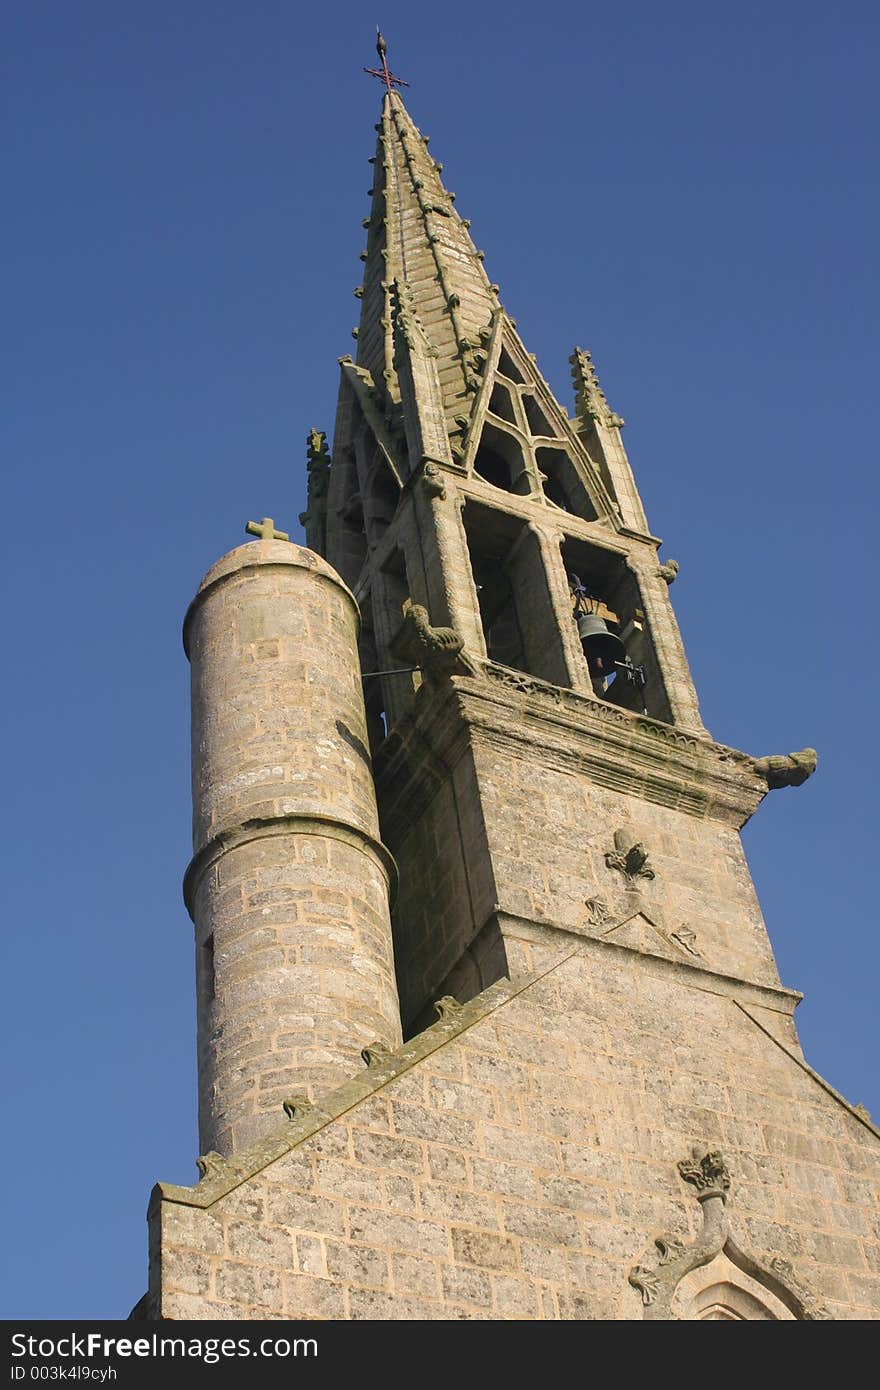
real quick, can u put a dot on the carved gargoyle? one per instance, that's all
(437, 651)
(629, 857)
(432, 481)
(787, 770)
(669, 571)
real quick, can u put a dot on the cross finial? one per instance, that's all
(384, 73)
(265, 529)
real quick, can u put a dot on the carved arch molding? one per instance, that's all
(737, 1287)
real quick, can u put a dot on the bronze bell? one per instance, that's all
(601, 648)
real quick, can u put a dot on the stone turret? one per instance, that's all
(289, 885)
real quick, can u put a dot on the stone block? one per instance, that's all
(396, 1232)
(484, 1249)
(360, 1265)
(464, 1285)
(305, 1212)
(412, 1275)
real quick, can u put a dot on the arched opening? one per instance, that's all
(384, 497)
(538, 422)
(500, 460)
(508, 368)
(562, 484)
(520, 627)
(374, 699)
(722, 1291)
(346, 536)
(614, 596)
(727, 1302)
(501, 404)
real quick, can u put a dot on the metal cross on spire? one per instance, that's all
(385, 73)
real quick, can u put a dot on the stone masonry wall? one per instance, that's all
(446, 887)
(524, 1167)
(549, 832)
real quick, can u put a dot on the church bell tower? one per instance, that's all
(534, 716)
(490, 1025)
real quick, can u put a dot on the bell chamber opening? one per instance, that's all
(606, 609)
(519, 623)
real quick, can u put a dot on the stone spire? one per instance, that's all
(416, 237)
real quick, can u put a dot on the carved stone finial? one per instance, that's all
(590, 402)
(863, 1112)
(708, 1173)
(376, 1054)
(657, 1283)
(669, 571)
(675, 1259)
(630, 858)
(437, 651)
(787, 770)
(314, 518)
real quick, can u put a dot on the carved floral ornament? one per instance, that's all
(707, 1172)
(630, 858)
(599, 913)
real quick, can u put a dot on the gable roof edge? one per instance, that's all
(224, 1175)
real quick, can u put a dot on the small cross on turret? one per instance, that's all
(265, 529)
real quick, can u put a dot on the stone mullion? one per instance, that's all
(449, 577)
(668, 647)
(560, 598)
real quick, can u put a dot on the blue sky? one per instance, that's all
(685, 189)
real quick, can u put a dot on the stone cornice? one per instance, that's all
(692, 973)
(525, 717)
